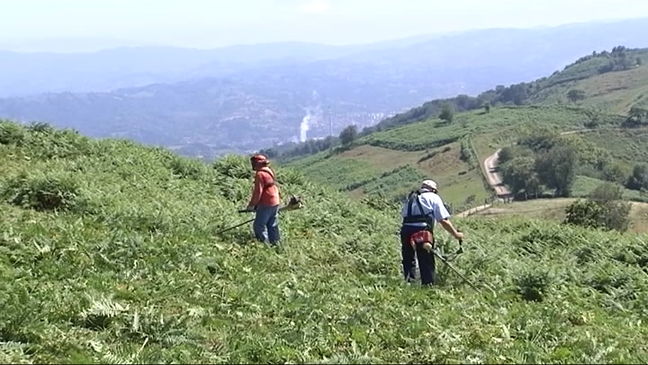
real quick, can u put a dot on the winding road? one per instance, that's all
(495, 180)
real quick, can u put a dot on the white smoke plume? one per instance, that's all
(308, 118)
(303, 127)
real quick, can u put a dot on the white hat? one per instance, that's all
(430, 184)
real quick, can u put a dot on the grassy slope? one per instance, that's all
(626, 146)
(365, 162)
(613, 93)
(133, 272)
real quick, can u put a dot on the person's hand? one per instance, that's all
(249, 208)
(459, 235)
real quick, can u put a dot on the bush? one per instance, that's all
(43, 193)
(11, 133)
(533, 286)
(187, 168)
(602, 209)
(234, 167)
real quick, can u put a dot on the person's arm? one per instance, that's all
(443, 217)
(445, 223)
(257, 190)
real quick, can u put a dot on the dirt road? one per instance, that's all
(494, 178)
(473, 210)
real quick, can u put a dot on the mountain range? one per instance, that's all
(246, 97)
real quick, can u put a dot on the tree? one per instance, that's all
(447, 113)
(487, 107)
(348, 135)
(639, 178)
(506, 154)
(594, 117)
(557, 169)
(614, 173)
(603, 208)
(520, 175)
(575, 95)
(636, 117)
(269, 152)
(541, 139)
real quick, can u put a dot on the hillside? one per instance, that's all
(130, 269)
(239, 99)
(398, 152)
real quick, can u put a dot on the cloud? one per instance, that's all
(315, 7)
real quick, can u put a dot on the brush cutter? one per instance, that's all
(438, 252)
(294, 204)
(445, 259)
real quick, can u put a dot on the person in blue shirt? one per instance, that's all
(422, 210)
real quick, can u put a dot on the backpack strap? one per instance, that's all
(271, 173)
(421, 217)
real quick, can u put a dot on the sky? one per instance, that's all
(217, 23)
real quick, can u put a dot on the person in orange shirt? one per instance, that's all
(265, 201)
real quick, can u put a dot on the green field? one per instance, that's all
(614, 92)
(391, 174)
(554, 210)
(109, 254)
(626, 146)
(110, 251)
(507, 124)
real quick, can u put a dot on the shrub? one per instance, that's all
(532, 286)
(602, 209)
(232, 166)
(187, 168)
(11, 133)
(43, 193)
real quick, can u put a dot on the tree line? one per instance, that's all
(543, 159)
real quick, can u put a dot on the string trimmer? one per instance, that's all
(438, 252)
(294, 204)
(447, 258)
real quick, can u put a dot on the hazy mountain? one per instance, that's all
(38, 72)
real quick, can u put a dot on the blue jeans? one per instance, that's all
(267, 219)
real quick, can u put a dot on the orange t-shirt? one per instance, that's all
(264, 193)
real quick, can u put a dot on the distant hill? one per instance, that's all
(123, 67)
(244, 98)
(604, 94)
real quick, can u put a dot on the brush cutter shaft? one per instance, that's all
(445, 261)
(236, 226)
(294, 204)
